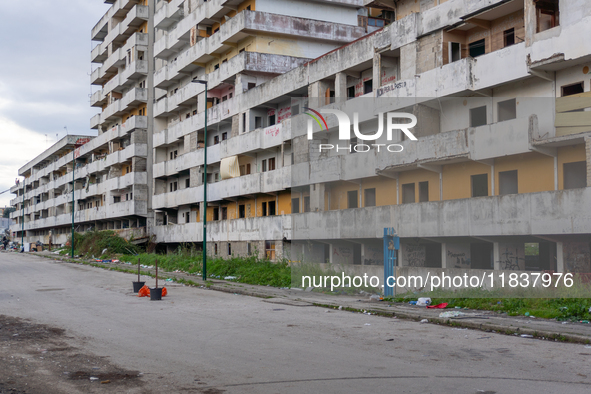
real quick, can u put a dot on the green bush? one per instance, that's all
(93, 243)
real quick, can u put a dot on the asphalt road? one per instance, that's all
(198, 340)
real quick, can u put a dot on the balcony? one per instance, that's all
(248, 229)
(168, 14)
(543, 213)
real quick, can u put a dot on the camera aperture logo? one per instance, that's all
(345, 130)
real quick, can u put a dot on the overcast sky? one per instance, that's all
(44, 77)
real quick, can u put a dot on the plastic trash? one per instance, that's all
(375, 298)
(438, 306)
(229, 277)
(526, 313)
(424, 321)
(526, 336)
(412, 302)
(451, 314)
(424, 301)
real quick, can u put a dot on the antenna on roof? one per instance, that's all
(65, 127)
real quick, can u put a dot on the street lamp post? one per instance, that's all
(23, 218)
(204, 182)
(73, 190)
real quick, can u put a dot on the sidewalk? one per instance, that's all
(474, 319)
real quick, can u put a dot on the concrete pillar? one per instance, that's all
(496, 256)
(340, 87)
(377, 71)
(238, 84)
(443, 255)
(559, 257)
(317, 94)
(317, 197)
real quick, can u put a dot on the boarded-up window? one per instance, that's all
(575, 175)
(408, 193)
(507, 110)
(370, 197)
(508, 182)
(352, 199)
(423, 191)
(478, 116)
(480, 185)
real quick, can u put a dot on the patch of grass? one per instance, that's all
(101, 244)
(549, 308)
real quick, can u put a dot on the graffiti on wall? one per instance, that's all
(458, 256)
(577, 257)
(511, 258)
(342, 255)
(414, 255)
(373, 256)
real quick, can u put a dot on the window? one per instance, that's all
(479, 185)
(455, 53)
(271, 164)
(477, 48)
(171, 187)
(216, 139)
(229, 249)
(509, 37)
(249, 248)
(575, 174)
(258, 122)
(244, 122)
(175, 186)
(241, 211)
(216, 214)
(224, 98)
(187, 183)
(248, 169)
(116, 199)
(369, 197)
(478, 116)
(215, 249)
(368, 86)
(264, 166)
(295, 110)
(295, 205)
(270, 250)
(408, 193)
(271, 120)
(224, 136)
(248, 8)
(307, 204)
(575, 88)
(423, 191)
(188, 217)
(264, 210)
(508, 182)
(375, 22)
(507, 110)
(251, 85)
(352, 199)
(188, 115)
(271, 208)
(224, 213)
(351, 92)
(547, 13)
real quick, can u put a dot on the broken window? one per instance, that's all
(271, 120)
(408, 193)
(477, 48)
(575, 88)
(455, 53)
(295, 205)
(270, 250)
(351, 92)
(264, 206)
(370, 197)
(423, 191)
(479, 185)
(251, 85)
(187, 183)
(509, 37)
(216, 214)
(216, 139)
(264, 166)
(368, 86)
(224, 136)
(575, 175)
(307, 204)
(547, 12)
(352, 199)
(507, 110)
(241, 211)
(271, 208)
(508, 182)
(478, 116)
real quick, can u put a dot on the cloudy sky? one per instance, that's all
(44, 77)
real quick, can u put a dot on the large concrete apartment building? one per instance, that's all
(498, 178)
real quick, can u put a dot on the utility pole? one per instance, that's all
(23, 217)
(73, 190)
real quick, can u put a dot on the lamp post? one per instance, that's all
(73, 190)
(23, 218)
(204, 182)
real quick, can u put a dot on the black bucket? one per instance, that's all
(156, 294)
(137, 286)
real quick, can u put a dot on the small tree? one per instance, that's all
(8, 211)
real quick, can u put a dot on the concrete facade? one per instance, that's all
(499, 176)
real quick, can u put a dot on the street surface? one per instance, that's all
(83, 323)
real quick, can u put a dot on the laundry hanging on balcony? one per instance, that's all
(230, 167)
